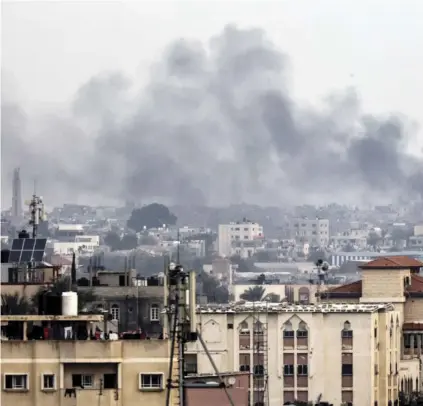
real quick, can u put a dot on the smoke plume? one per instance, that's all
(215, 125)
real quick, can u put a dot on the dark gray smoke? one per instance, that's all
(215, 125)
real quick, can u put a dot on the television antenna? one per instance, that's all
(181, 309)
(36, 212)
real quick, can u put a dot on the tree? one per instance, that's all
(15, 304)
(151, 216)
(85, 297)
(129, 242)
(254, 294)
(112, 239)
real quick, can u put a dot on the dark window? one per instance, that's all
(110, 381)
(76, 381)
(259, 370)
(230, 326)
(302, 333)
(302, 370)
(244, 368)
(17, 382)
(48, 381)
(347, 334)
(151, 381)
(288, 370)
(288, 334)
(347, 369)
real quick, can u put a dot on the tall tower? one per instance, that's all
(17, 213)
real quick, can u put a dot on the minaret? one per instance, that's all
(17, 213)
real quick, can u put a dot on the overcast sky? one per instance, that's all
(49, 49)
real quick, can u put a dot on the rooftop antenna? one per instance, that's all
(322, 268)
(36, 211)
(178, 250)
(182, 324)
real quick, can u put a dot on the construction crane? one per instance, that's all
(180, 304)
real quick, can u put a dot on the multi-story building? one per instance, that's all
(236, 233)
(80, 371)
(361, 345)
(313, 231)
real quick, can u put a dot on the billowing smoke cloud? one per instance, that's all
(215, 125)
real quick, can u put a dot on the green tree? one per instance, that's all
(129, 242)
(151, 216)
(15, 304)
(253, 294)
(112, 240)
(85, 296)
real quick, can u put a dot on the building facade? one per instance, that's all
(233, 233)
(316, 231)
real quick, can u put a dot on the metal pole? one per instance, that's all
(215, 368)
(181, 371)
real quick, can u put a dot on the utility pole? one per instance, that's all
(182, 324)
(36, 211)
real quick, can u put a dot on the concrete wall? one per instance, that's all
(63, 358)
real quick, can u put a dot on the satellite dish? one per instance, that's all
(232, 380)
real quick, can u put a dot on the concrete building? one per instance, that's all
(82, 372)
(232, 233)
(362, 344)
(313, 231)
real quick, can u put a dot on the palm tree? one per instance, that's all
(85, 297)
(15, 304)
(253, 294)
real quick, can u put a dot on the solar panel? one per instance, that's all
(15, 256)
(29, 244)
(40, 244)
(27, 250)
(38, 256)
(17, 244)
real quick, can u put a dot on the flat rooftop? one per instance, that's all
(264, 307)
(82, 317)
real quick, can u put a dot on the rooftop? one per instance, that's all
(394, 262)
(254, 307)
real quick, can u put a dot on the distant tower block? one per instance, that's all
(17, 212)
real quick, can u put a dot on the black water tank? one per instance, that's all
(50, 304)
(5, 256)
(23, 234)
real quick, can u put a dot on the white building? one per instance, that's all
(343, 353)
(230, 234)
(81, 243)
(314, 231)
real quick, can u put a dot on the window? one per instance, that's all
(347, 369)
(302, 370)
(82, 381)
(288, 370)
(288, 334)
(48, 382)
(151, 381)
(302, 333)
(347, 333)
(110, 381)
(115, 311)
(154, 313)
(16, 382)
(244, 368)
(258, 370)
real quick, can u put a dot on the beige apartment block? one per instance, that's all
(84, 372)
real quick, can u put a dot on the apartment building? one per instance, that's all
(81, 372)
(313, 231)
(237, 233)
(361, 344)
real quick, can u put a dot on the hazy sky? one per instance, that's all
(50, 49)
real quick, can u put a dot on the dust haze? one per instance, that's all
(215, 125)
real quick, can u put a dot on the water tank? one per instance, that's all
(69, 304)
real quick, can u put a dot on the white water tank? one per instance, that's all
(69, 304)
